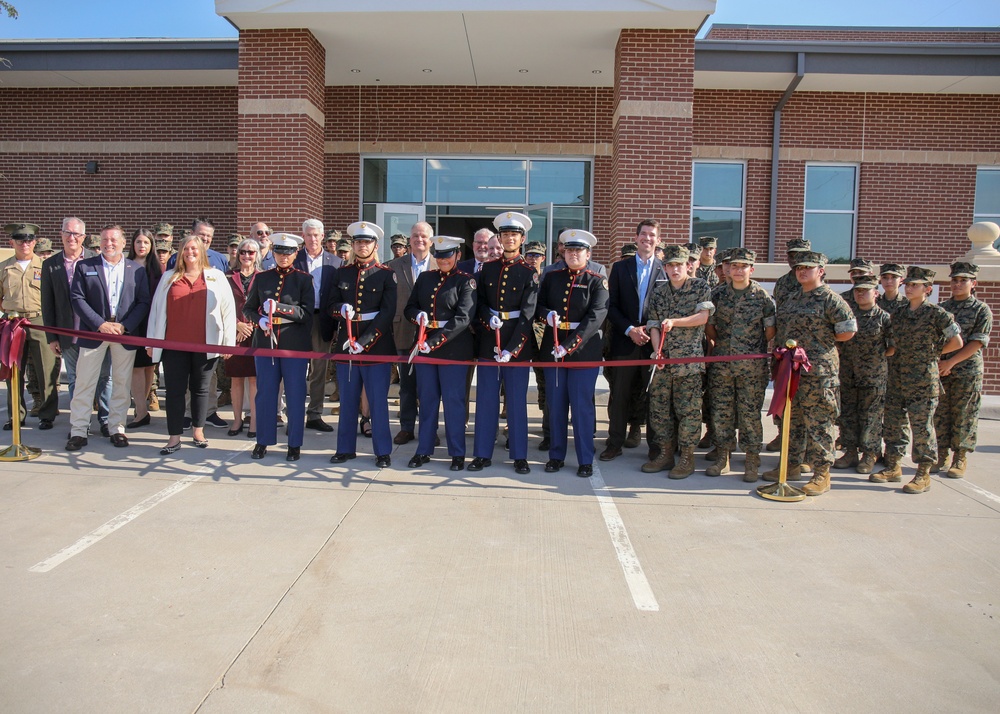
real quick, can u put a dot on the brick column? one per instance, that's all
(281, 91)
(654, 91)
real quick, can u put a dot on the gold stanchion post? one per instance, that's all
(17, 451)
(782, 490)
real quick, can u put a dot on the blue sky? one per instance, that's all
(196, 18)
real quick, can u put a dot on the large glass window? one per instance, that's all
(830, 216)
(564, 183)
(987, 195)
(717, 190)
(393, 181)
(477, 181)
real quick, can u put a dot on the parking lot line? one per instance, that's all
(635, 578)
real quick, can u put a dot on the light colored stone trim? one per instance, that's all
(954, 158)
(118, 147)
(283, 106)
(659, 110)
(469, 147)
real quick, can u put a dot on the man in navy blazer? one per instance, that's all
(110, 295)
(322, 266)
(480, 252)
(630, 286)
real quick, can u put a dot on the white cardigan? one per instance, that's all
(220, 317)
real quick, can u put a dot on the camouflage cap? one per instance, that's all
(345, 244)
(916, 274)
(92, 242)
(864, 282)
(164, 244)
(958, 270)
(892, 269)
(796, 245)
(400, 239)
(628, 250)
(185, 233)
(535, 248)
(234, 239)
(332, 235)
(44, 245)
(741, 255)
(675, 254)
(724, 255)
(694, 250)
(810, 259)
(163, 229)
(867, 266)
(708, 241)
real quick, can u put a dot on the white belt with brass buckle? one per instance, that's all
(506, 315)
(364, 316)
(568, 325)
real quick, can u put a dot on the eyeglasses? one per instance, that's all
(71, 234)
(24, 239)
(248, 252)
(262, 233)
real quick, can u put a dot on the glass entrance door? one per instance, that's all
(541, 227)
(395, 218)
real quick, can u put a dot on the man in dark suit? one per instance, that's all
(322, 266)
(57, 310)
(407, 268)
(110, 295)
(480, 252)
(630, 286)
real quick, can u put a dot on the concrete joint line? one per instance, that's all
(288, 107)
(118, 147)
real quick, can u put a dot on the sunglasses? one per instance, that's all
(248, 252)
(262, 233)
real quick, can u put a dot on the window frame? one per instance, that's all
(857, 192)
(743, 198)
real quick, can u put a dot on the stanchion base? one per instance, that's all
(781, 492)
(19, 452)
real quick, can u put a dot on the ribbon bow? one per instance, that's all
(12, 337)
(791, 362)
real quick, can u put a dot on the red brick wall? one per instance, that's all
(853, 34)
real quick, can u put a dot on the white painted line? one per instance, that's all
(126, 517)
(635, 578)
(981, 491)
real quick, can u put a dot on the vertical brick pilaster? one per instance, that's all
(281, 121)
(651, 163)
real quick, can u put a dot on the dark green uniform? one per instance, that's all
(864, 371)
(957, 418)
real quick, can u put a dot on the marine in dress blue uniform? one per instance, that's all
(506, 294)
(444, 301)
(573, 302)
(286, 294)
(364, 294)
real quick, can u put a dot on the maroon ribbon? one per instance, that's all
(12, 338)
(785, 373)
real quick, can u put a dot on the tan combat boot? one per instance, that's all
(922, 481)
(848, 460)
(794, 473)
(892, 471)
(663, 462)
(867, 463)
(820, 482)
(774, 444)
(721, 465)
(942, 460)
(752, 466)
(713, 454)
(957, 469)
(685, 467)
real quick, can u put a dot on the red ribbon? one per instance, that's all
(785, 373)
(12, 338)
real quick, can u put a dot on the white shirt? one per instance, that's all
(315, 266)
(114, 276)
(419, 266)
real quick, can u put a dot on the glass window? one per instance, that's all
(987, 195)
(477, 181)
(393, 181)
(717, 202)
(560, 182)
(830, 216)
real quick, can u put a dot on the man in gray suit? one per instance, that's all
(407, 268)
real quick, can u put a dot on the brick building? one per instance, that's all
(874, 142)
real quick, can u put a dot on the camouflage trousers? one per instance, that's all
(916, 406)
(736, 400)
(861, 410)
(675, 403)
(956, 420)
(904, 438)
(815, 409)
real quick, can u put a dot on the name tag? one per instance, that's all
(90, 273)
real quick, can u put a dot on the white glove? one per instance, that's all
(355, 348)
(424, 348)
(347, 311)
(270, 305)
(559, 352)
(495, 323)
(265, 324)
(503, 356)
(422, 318)
(552, 318)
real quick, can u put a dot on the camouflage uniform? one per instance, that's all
(914, 385)
(707, 273)
(676, 391)
(890, 306)
(864, 371)
(957, 418)
(786, 286)
(813, 319)
(736, 389)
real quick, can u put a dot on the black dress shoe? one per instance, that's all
(418, 460)
(318, 425)
(251, 434)
(544, 444)
(235, 432)
(293, 453)
(585, 470)
(340, 458)
(105, 431)
(167, 450)
(76, 443)
(457, 463)
(119, 440)
(610, 453)
(383, 462)
(203, 444)
(553, 465)
(44, 424)
(258, 452)
(138, 422)
(479, 463)
(521, 467)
